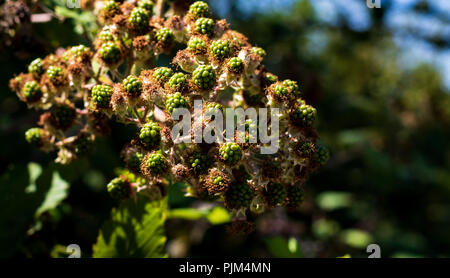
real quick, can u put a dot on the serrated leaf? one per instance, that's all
(134, 230)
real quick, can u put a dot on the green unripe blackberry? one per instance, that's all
(101, 95)
(155, 163)
(295, 196)
(281, 90)
(110, 6)
(286, 88)
(221, 49)
(204, 77)
(119, 188)
(230, 153)
(204, 26)
(105, 36)
(150, 134)
(165, 36)
(306, 149)
(196, 45)
(139, 19)
(239, 196)
(275, 193)
(82, 144)
(132, 85)
(36, 68)
(146, 5)
(32, 91)
(213, 108)
(79, 51)
(259, 51)
(322, 155)
(175, 101)
(55, 74)
(177, 81)
(162, 74)
(304, 114)
(216, 181)
(34, 136)
(270, 78)
(292, 86)
(219, 180)
(63, 116)
(110, 53)
(199, 9)
(235, 65)
(199, 162)
(134, 161)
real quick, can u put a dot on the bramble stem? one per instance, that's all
(159, 8)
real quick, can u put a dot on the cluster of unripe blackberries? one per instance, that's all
(81, 88)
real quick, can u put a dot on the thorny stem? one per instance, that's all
(136, 112)
(97, 76)
(159, 8)
(128, 120)
(116, 74)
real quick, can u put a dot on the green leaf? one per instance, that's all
(26, 192)
(215, 216)
(332, 200)
(56, 194)
(187, 213)
(218, 215)
(356, 238)
(135, 230)
(283, 248)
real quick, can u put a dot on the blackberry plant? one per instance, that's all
(121, 78)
